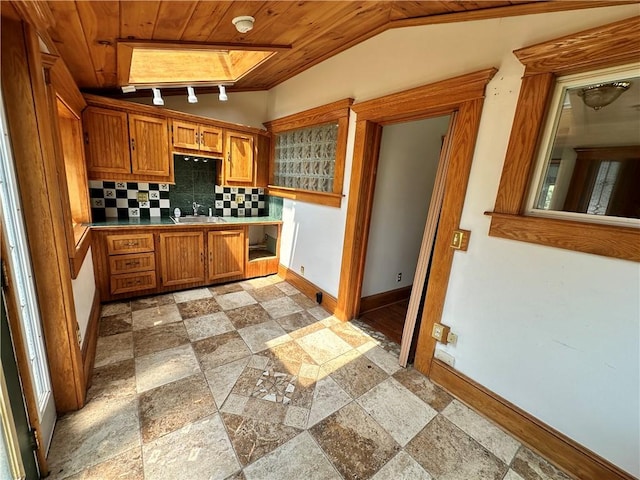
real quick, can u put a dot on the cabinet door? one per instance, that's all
(106, 142)
(185, 135)
(149, 140)
(181, 258)
(239, 161)
(226, 253)
(210, 139)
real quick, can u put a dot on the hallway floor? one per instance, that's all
(253, 380)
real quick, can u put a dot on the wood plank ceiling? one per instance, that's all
(86, 32)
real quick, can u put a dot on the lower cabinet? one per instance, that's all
(150, 260)
(226, 254)
(181, 258)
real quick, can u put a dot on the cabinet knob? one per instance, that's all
(133, 144)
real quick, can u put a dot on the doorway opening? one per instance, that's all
(406, 175)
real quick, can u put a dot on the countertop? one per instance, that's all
(166, 221)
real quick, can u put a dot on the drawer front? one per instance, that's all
(118, 244)
(136, 262)
(132, 282)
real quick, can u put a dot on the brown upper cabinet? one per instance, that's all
(193, 136)
(126, 146)
(239, 158)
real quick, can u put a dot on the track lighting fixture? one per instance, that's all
(191, 98)
(157, 98)
(223, 93)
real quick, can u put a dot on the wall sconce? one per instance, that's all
(602, 94)
(223, 93)
(191, 95)
(157, 98)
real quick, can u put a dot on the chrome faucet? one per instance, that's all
(195, 208)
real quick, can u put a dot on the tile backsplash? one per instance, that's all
(120, 200)
(239, 201)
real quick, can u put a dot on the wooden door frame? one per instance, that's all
(464, 96)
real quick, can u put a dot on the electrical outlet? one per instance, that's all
(239, 198)
(440, 332)
(452, 338)
(143, 196)
(301, 270)
(444, 357)
(399, 279)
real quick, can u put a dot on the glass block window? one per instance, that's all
(305, 158)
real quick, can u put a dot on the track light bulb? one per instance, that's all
(157, 98)
(223, 93)
(191, 95)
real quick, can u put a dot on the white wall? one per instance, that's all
(554, 332)
(244, 108)
(84, 289)
(409, 154)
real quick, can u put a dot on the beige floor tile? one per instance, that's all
(189, 295)
(383, 359)
(287, 357)
(318, 313)
(421, 386)
(352, 336)
(264, 294)
(323, 345)
(154, 316)
(304, 301)
(207, 326)
(227, 288)
(164, 367)
(113, 349)
(114, 324)
(222, 379)
(532, 467)
(460, 457)
(199, 450)
(483, 431)
(103, 429)
(402, 466)
(127, 465)
(355, 373)
(215, 351)
(172, 406)
(234, 404)
(247, 316)
(296, 321)
(287, 288)
(264, 335)
(328, 397)
(154, 301)
(296, 417)
(198, 308)
(299, 458)
(253, 439)
(511, 475)
(399, 411)
(281, 307)
(155, 339)
(356, 445)
(229, 301)
(115, 308)
(115, 380)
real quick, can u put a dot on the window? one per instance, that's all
(589, 159)
(538, 201)
(307, 161)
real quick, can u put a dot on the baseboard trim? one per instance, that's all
(379, 300)
(573, 458)
(309, 289)
(90, 340)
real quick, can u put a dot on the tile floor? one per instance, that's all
(253, 380)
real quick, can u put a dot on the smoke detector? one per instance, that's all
(244, 23)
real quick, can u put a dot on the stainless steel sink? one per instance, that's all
(198, 219)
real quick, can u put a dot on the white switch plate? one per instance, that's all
(445, 357)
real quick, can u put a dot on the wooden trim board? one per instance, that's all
(379, 300)
(308, 288)
(567, 454)
(91, 339)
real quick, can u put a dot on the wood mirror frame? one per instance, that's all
(607, 46)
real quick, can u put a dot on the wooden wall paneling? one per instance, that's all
(204, 19)
(379, 300)
(33, 149)
(100, 24)
(363, 178)
(224, 30)
(21, 354)
(172, 20)
(73, 46)
(270, 18)
(262, 155)
(570, 456)
(528, 124)
(66, 88)
(460, 159)
(137, 18)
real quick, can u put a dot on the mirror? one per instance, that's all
(591, 165)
